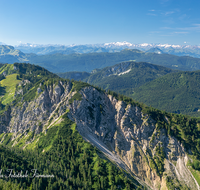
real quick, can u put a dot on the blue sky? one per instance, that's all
(100, 21)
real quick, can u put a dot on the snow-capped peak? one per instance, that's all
(118, 44)
(145, 44)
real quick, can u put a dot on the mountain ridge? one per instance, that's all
(122, 77)
(153, 144)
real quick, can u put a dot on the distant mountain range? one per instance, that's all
(41, 49)
(52, 49)
(89, 61)
(180, 50)
(8, 54)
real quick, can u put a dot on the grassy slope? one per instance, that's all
(195, 173)
(8, 68)
(10, 86)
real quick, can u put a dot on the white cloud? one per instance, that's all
(184, 30)
(182, 17)
(181, 32)
(169, 13)
(169, 21)
(151, 14)
(195, 27)
(166, 35)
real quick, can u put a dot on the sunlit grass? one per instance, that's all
(8, 68)
(9, 83)
(195, 173)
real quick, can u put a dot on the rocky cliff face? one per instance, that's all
(131, 135)
(117, 69)
(35, 114)
(120, 130)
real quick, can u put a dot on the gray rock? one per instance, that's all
(39, 90)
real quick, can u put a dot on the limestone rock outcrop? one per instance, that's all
(120, 130)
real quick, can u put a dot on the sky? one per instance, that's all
(100, 21)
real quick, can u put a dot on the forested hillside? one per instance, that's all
(123, 77)
(174, 92)
(69, 162)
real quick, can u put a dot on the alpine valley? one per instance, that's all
(58, 133)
